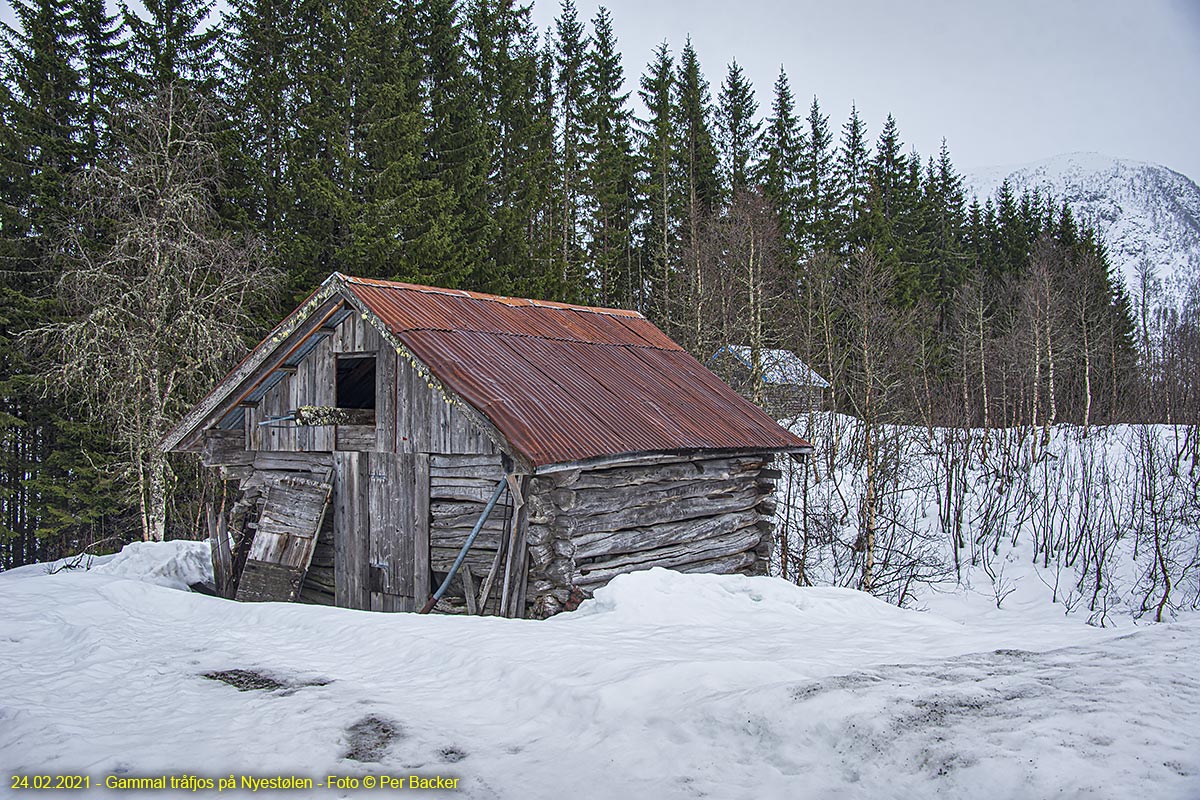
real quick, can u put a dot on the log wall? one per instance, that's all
(688, 514)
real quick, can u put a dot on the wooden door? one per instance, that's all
(381, 529)
(292, 508)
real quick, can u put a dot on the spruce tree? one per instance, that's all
(501, 53)
(946, 221)
(102, 57)
(455, 156)
(853, 174)
(57, 496)
(659, 192)
(172, 45)
(819, 191)
(779, 172)
(610, 170)
(570, 56)
(700, 188)
(737, 129)
(695, 155)
(259, 56)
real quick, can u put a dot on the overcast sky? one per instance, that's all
(1003, 82)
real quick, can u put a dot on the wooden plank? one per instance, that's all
(222, 557)
(590, 501)
(385, 401)
(225, 448)
(514, 562)
(311, 462)
(392, 515)
(442, 558)
(698, 469)
(469, 590)
(350, 530)
(355, 437)
(264, 582)
(473, 494)
(422, 579)
(459, 462)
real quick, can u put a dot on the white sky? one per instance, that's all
(1003, 82)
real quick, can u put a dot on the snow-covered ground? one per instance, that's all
(663, 686)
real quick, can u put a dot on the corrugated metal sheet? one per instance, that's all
(568, 383)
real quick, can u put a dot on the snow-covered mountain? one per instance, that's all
(1144, 212)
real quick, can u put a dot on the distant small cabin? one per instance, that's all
(402, 447)
(787, 388)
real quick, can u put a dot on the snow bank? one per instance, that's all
(664, 685)
(175, 564)
(664, 597)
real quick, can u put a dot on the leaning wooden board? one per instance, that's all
(286, 537)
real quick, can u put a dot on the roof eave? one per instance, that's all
(191, 422)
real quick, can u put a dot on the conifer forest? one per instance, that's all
(173, 181)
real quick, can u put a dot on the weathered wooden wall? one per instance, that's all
(688, 514)
(410, 415)
(459, 488)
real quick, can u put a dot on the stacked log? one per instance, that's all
(688, 514)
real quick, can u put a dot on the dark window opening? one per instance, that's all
(356, 382)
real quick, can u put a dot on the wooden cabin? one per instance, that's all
(786, 387)
(383, 432)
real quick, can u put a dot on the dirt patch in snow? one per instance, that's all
(248, 680)
(368, 739)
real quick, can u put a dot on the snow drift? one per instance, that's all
(664, 685)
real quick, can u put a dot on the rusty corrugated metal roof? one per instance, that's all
(569, 383)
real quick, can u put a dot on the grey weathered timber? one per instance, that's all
(311, 462)
(664, 473)
(515, 560)
(351, 543)
(392, 526)
(290, 509)
(669, 511)
(422, 577)
(319, 584)
(225, 449)
(592, 501)
(721, 546)
(285, 337)
(264, 582)
(633, 540)
(222, 556)
(468, 583)
(354, 437)
(410, 477)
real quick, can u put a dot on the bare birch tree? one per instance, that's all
(158, 299)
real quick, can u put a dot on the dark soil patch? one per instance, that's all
(246, 680)
(368, 739)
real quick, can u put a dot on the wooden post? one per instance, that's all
(469, 590)
(422, 578)
(514, 568)
(222, 556)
